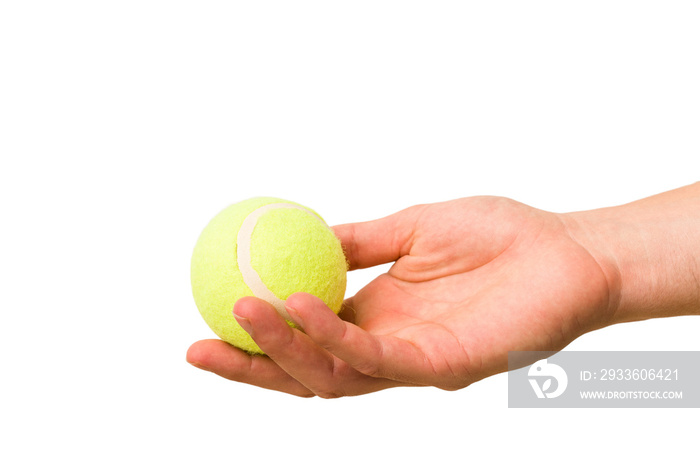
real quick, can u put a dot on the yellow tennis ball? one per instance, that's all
(269, 248)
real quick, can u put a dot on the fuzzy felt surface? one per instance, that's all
(291, 250)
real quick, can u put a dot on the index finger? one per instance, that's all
(376, 242)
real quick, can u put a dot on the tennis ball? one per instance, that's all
(269, 248)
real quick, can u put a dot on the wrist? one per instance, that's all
(648, 251)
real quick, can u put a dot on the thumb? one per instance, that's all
(376, 242)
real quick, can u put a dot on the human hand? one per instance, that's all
(472, 279)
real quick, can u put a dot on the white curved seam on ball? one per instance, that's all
(250, 276)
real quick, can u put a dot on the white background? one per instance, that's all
(125, 126)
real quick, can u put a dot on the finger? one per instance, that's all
(231, 363)
(347, 311)
(376, 242)
(301, 358)
(377, 356)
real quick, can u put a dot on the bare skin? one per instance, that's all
(472, 279)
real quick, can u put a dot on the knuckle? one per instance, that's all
(334, 387)
(274, 338)
(369, 368)
(329, 393)
(450, 387)
(330, 338)
(452, 383)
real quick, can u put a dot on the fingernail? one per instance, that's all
(199, 366)
(295, 316)
(245, 324)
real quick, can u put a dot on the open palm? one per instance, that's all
(472, 279)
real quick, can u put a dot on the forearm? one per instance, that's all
(649, 251)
